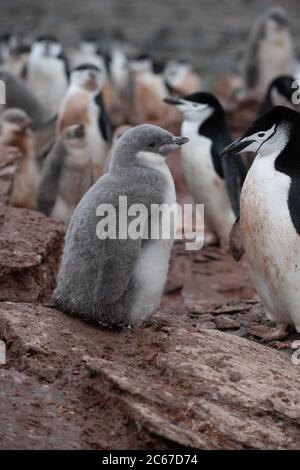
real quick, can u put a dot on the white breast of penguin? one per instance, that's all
(151, 270)
(271, 242)
(205, 184)
(97, 144)
(275, 57)
(47, 79)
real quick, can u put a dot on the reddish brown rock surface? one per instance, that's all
(168, 385)
(30, 247)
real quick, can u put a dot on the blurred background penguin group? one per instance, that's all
(66, 106)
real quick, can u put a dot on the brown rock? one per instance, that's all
(30, 247)
(224, 322)
(201, 389)
(29, 412)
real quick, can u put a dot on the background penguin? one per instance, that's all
(180, 78)
(269, 52)
(9, 157)
(119, 282)
(149, 91)
(66, 175)
(86, 52)
(15, 132)
(46, 73)
(269, 213)
(83, 104)
(119, 131)
(279, 93)
(119, 97)
(14, 50)
(213, 182)
(19, 96)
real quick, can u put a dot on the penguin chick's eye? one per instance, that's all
(152, 145)
(261, 134)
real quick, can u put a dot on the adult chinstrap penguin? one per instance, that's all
(269, 213)
(213, 181)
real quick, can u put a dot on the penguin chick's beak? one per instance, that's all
(180, 140)
(236, 147)
(173, 101)
(172, 144)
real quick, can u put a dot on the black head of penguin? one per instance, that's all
(278, 130)
(279, 91)
(88, 66)
(51, 47)
(280, 17)
(206, 108)
(89, 76)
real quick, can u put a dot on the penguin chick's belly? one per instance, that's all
(271, 243)
(150, 275)
(208, 188)
(150, 272)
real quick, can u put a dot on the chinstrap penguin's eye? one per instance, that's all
(261, 134)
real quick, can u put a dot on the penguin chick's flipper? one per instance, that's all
(116, 265)
(48, 185)
(235, 241)
(234, 175)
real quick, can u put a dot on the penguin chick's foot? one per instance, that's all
(280, 332)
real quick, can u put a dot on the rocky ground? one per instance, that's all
(195, 376)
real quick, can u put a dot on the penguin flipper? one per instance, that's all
(48, 185)
(235, 241)
(294, 203)
(104, 122)
(116, 265)
(234, 174)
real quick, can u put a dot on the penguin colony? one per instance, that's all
(85, 125)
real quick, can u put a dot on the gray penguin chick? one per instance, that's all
(66, 175)
(119, 282)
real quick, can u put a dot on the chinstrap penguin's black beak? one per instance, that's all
(173, 101)
(236, 147)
